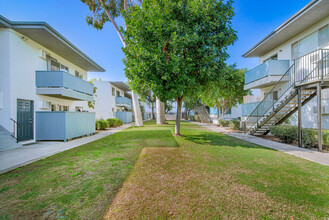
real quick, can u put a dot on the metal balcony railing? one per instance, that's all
(306, 69)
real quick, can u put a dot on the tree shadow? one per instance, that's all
(218, 139)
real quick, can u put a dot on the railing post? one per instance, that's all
(322, 67)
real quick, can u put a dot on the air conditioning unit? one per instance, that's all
(42, 54)
(44, 105)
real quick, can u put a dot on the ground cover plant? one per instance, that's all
(201, 175)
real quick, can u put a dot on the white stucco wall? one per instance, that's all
(19, 59)
(4, 78)
(104, 100)
(284, 50)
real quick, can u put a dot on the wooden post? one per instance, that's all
(318, 93)
(300, 117)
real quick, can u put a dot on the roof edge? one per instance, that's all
(39, 24)
(282, 26)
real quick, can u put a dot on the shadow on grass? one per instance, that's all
(217, 139)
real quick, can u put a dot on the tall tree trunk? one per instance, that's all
(159, 116)
(178, 115)
(136, 107)
(137, 110)
(163, 113)
(219, 112)
(153, 115)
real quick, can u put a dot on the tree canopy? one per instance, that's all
(177, 47)
(226, 92)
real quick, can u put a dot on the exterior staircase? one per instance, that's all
(203, 113)
(7, 142)
(282, 101)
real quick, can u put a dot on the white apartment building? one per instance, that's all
(112, 100)
(293, 68)
(43, 89)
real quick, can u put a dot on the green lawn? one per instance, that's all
(201, 175)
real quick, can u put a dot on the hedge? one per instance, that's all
(194, 118)
(113, 122)
(287, 133)
(102, 124)
(223, 123)
(234, 124)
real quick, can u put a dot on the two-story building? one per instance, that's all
(112, 100)
(292, 73)
(44, 91)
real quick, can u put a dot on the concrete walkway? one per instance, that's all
(14, 158)
(315, 156)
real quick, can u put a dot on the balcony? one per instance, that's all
(266, 74)
(126, 117)
(63, 125)
(61, 84)
(123, 102)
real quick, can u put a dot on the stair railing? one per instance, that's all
(303, 69)
(16, 126)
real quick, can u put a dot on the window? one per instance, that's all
(308, 44)
(52, 64)
(323, 37)
(65, 108)
(78, 109)
(113, 109)
(64, 68)
(118, 94)
(294, 50)
(274, 57)
(53, 108)
(113, 91)
(77, 74)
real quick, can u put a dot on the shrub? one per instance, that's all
(113, 122)
(234, 124)
(223, 123)
(102, 124)
(97, 125)
(287, 133)
(310, 137)
(197, 118)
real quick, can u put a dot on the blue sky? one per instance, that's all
(254, 20)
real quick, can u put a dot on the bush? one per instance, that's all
(102, 124)
(234, 124)
(97, 125)
(310, 137)
(223, 123)
(197, 118)
(113, 122)
(287, 133)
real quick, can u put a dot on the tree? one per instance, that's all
(148, 96)
(189, 104)
(177, 47)
(107, 10)
(228, 92)
(91, 104)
